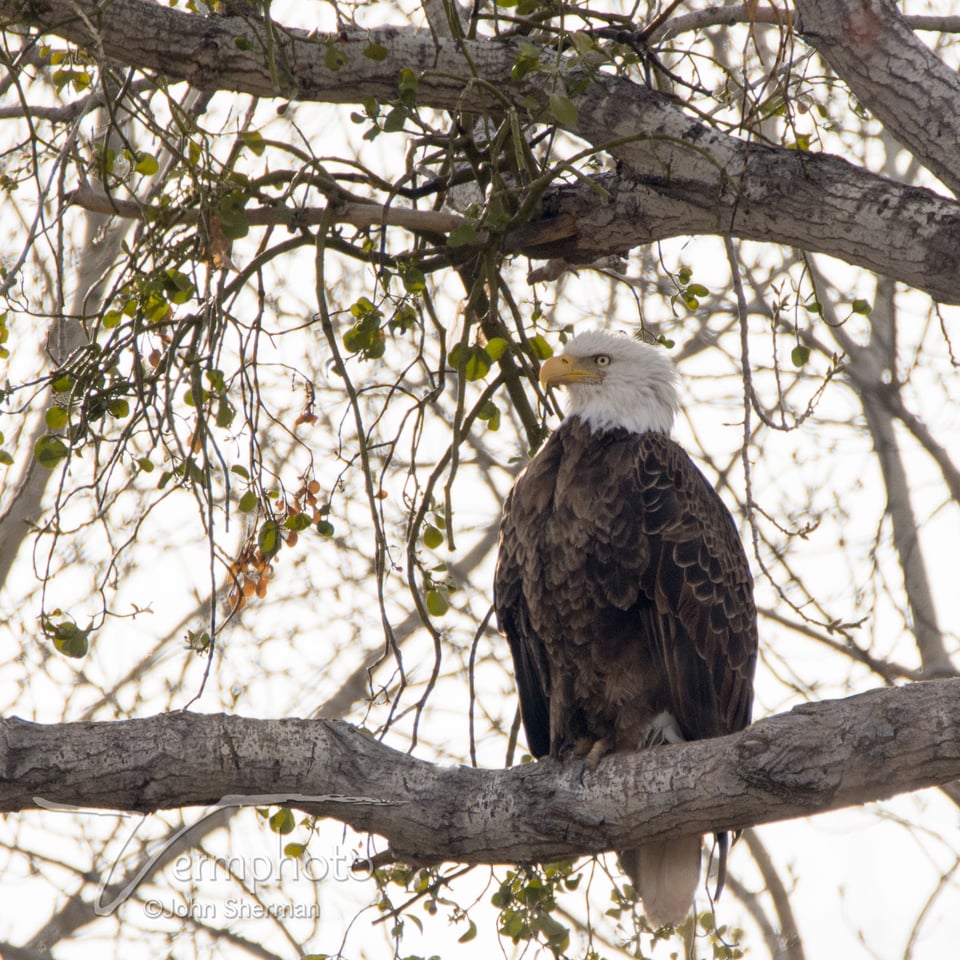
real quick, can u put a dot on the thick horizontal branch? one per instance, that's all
(815, 202)
(818, 757)
(678, 176)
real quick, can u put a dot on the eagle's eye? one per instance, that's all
(601, 360)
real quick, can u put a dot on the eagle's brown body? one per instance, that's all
(626, 596)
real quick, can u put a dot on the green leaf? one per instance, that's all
(247, 502)
(119, 408)
(334, 58)
(355, 339)
(294, 850)
(407, 86)
(432, 537)
(225, 413)
(363, 308)
(375, 51)
(413, 278)
(563, 109)
(147, 164)
(775, 106)
(523, 65)
(179, 286)
(156, 308)
(112, 319)
(75, 646)
(490, 413)
(462, 236)
(283, 821)
(404, 318)
(254, 141)
(583, 42)
(393, 122)
(6, 459)
(63, 384)
(495, 348)
(470, 934)
(325, 528)
(799, 355)
(541, 349)
(49, 451)
(475, 362)
(478, 364)
(233, 221)
(67, 637)
(297, 521)
(437, 603)
(861, 306)
(55, 418)
(269, 539)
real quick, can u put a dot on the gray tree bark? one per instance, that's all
(818, 757)
(894, 75)
(679, 176)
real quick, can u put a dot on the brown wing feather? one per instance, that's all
(703, 612)
(517, 564)
(623, 589)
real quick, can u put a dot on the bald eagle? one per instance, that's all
(624, 590)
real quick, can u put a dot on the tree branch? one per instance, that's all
(681, 177)
(894, 75)
(355, 214)
(818, 757)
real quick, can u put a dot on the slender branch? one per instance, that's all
(788, 934)
(356, 214)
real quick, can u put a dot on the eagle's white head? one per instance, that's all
(615, 381)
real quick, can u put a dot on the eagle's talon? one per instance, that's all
(596, 753)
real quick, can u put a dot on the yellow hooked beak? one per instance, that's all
(561, 370)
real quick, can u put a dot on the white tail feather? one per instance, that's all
(665, 874)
